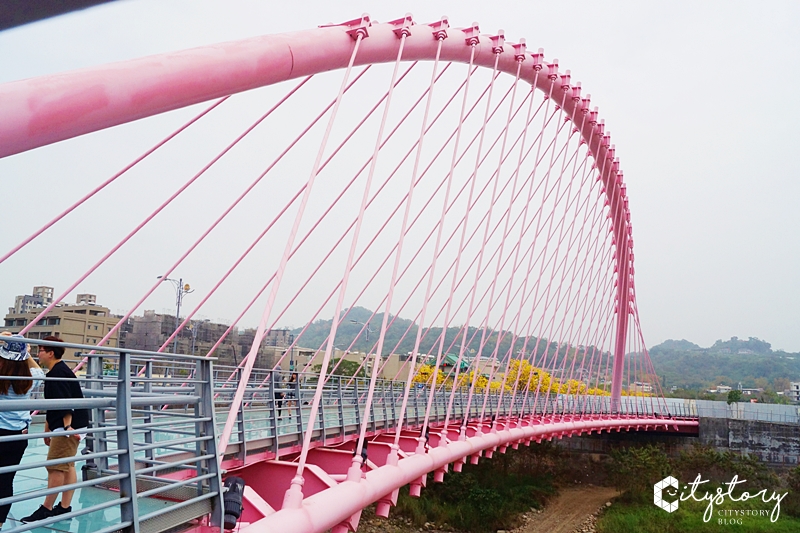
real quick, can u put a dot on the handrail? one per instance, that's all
(100, 350)
(128, 434)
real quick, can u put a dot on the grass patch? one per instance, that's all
(634, 471)
(487, 496)
(627, 516)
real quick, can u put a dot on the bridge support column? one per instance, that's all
(624, 257)
(385, 504)
(415, 488)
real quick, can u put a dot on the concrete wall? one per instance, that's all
(770, 442)
(603, 444)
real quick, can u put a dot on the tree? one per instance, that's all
(634, 470)
(793, 501)
(425, 375)
(734, 396)
(781, 384)
(770, 396)
(346, 368)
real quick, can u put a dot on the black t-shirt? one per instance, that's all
(54, 390)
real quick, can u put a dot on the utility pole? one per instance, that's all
(181, 290)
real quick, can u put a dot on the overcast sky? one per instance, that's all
(699, 97)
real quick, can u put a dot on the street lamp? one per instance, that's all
(181, 290)
(369, 330)
(193, 329)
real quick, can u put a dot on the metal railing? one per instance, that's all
(275, 411)
(764, 412)
(150, 437)
(156, 417)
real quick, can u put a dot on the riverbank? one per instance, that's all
(544, 489)
(573, 510)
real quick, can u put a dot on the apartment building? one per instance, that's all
(79, 323)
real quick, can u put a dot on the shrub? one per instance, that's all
(487, 496)
(635, 470)
(720, 467)
(791, 504)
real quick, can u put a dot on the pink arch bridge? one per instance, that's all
(456, 183)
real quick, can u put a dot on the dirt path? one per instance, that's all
(569, 509)
(563, 514)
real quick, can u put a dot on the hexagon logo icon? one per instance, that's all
(658, 494)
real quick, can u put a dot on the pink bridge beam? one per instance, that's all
(330, 507)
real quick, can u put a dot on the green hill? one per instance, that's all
(751, 362)
(399, 340)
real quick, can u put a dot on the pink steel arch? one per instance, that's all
(53, 108)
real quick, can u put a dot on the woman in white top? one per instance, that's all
(16, 361)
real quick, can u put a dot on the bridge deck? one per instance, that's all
(149, 462)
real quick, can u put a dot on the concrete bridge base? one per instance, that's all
(773, 443)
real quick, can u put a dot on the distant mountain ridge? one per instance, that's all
(671, 345)
(750, 361)
(401, 337)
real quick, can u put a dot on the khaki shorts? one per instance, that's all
(62, 448)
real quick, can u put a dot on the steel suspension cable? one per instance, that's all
(347, 229)
(494, 354)
(556, 298)
(520, 58)
(514, 339)
(559, 332)
(537, 68)
(286, 207)
(110, 180)
(422, 439)
(593, 281)
(471, 307)
(437, 225)
(150, 217)
(355, 470)
(250, 358)
(294, 491)
(530, 328)
(501, 333)
(453, 162)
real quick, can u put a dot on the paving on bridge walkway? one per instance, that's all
(27, 480)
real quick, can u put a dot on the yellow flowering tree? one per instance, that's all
(636, 393)
(572, 386)
(536, 378)
(425, 374)
(529, 376)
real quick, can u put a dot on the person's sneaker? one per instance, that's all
(39, 514)
(58, 510)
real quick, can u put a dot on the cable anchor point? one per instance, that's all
(472, 34)
(519, 50)
(356, 27)
(402, 26)
(440, 28)
(498, 41)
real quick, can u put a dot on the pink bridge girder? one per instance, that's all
(333, 502)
